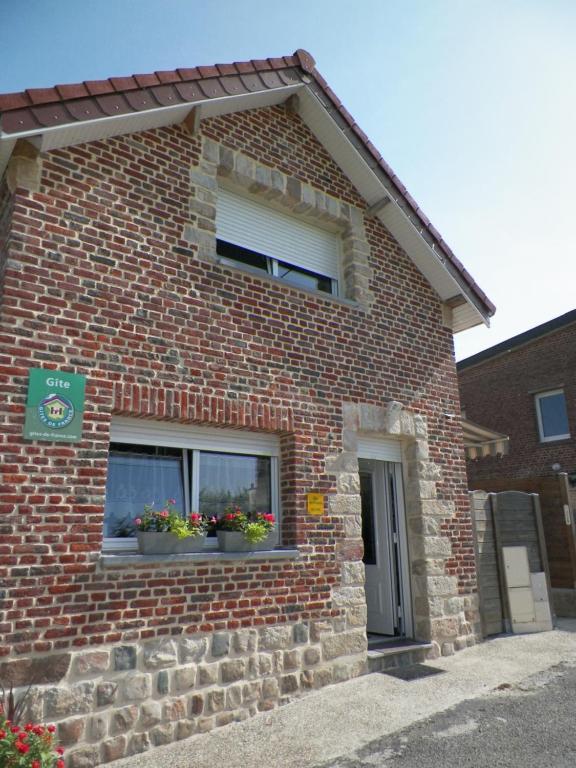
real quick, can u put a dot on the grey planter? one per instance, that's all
(234, 541)
(151, 543)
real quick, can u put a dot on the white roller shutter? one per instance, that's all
(249, 224)
(144, 432)
(379, 448)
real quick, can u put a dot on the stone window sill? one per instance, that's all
(111, 560)
(264, 276)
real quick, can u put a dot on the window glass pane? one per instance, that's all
(138, 475)
(239, 255)
(554, 416)
(368, 534)
(302, 278)
(227, 478)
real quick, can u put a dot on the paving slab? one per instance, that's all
(343, 718)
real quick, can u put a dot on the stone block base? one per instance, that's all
(121, 700)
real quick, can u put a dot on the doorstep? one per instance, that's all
(396, 654)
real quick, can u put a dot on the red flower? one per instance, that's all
(2, 734)
(28, 727)
(23, 748)
(195, 517)
(60, 750)
(59, 763)
(269, 518)
(35, 764)
(14, 729)
(51, 728)
(38, 730)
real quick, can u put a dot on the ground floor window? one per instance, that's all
(200, 470)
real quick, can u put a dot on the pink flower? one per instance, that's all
(195, 517)
(138, 521)
(164, 513)
(171, 501)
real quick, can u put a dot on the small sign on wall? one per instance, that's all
(55, 406)
(315, 503)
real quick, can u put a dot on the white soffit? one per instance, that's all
(315, 111)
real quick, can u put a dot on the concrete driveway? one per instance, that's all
(337, 722)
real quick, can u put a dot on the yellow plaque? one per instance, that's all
(315, 503)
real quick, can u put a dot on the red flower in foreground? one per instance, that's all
(36, 764)
(23, 748)
(51, 728)
(59, 763)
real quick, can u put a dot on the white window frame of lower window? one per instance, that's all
(538, 398)
(196, 439)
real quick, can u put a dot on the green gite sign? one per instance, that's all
(55, 406)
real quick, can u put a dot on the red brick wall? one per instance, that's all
(499, 394)
(102, 282)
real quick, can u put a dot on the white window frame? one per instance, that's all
(196, 439)
(538, 398)
(278, 236)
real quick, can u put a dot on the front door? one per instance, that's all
(384, 546)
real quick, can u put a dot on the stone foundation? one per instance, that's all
(124, 699)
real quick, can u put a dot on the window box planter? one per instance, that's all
(235, 541)
(152, 543)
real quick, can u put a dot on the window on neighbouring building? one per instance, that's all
(203, 470)
(263, 239)
(552, 416)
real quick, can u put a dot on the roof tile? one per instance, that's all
(190, 73)
(113, 104)
(168, 76)
(123, 83)
(77, 91)
(13, 101)
(146, 81)
(42, 95)
(98, 87)
(226, 69)
(245, 67)
(208, 71)
(212, 88)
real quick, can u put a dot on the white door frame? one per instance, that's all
(388, 455)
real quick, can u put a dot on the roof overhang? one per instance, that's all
(479, 441)
(355, 157)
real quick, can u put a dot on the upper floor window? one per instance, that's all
(264, 239)
(552, 415)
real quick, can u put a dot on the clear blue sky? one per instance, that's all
(471, 102)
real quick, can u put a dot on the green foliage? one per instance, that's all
(255, 526)
(168, 520)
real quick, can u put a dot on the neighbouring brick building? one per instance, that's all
(261, 312)
(525, 387)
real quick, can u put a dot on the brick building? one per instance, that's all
(261, 311)
(525, 387)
